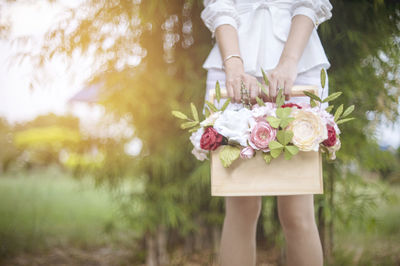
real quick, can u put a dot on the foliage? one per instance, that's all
(169, 42)
(46, 207)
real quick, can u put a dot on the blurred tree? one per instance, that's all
(149, 56)
(41, 140)
(8, 152)
(362, 44)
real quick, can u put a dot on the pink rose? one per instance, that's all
(291, 105)
(261, 134)
(211, 139)
(247, 152)
(331, 140)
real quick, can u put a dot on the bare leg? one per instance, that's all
(238, 241)
(296, 215)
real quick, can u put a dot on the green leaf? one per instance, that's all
(217, 91)
(280, 100)
(226, 103)
(286, 121)
(259, 101)
(267, 157)
(179, 115)
(189, 124)
(323, 77)
(338, 112)
(212, 106)
(194, 129)
(288, 155)
(263, 88)
(332, 97)
(265, 77)
(284, 136)
(313, 103)
(283, 112)
(275, 145)
(329, 108)
(344, 120)
(228, 154)
(312, 96)
(207, 112)
(194, 112)
(273, 121)
(275, 153)
(348, 111)
(293, 150)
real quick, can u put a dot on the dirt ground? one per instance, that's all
(111, 256)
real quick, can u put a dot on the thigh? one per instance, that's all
(245, 206)
(296, 208)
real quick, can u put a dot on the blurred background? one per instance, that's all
(94, 170)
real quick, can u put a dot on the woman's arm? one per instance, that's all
(285, 73)
(228, 44)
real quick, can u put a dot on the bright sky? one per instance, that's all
(19, 103)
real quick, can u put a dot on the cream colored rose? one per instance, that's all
(309, 130)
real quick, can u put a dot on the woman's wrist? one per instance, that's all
(288, 59)
(232, 64)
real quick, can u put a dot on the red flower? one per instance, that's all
(291, 105)
(211, 139)
(331, 140)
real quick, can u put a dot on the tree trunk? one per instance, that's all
(331, 222)
(216, 238)
(163, 258)
(151, 247)
(188, 244)
(199, 235)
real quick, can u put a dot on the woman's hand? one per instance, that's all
(282, 77)
(234, 75)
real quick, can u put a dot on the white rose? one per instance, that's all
(198, 152)
(268, 110)
(235, 125)
(209, 121)
(308, 130)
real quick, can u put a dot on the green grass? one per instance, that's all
(378, 243)
(48, 207)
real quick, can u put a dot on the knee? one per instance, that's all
(297, 222)
(244, 208)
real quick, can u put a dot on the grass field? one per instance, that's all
(48, 208)
(49, 218)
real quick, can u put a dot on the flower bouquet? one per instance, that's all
(271, 129)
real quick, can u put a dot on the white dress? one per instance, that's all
(263, 27)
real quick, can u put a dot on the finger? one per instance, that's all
(229, 90)
(281, 86)
(288, 89)
(247, 85)
(272, 88)
(253, 92)
(264, 96)
(236, 91)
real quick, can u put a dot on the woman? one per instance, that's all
(279, 36)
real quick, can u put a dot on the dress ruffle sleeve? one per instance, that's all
(318, 10)
(219, 12)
